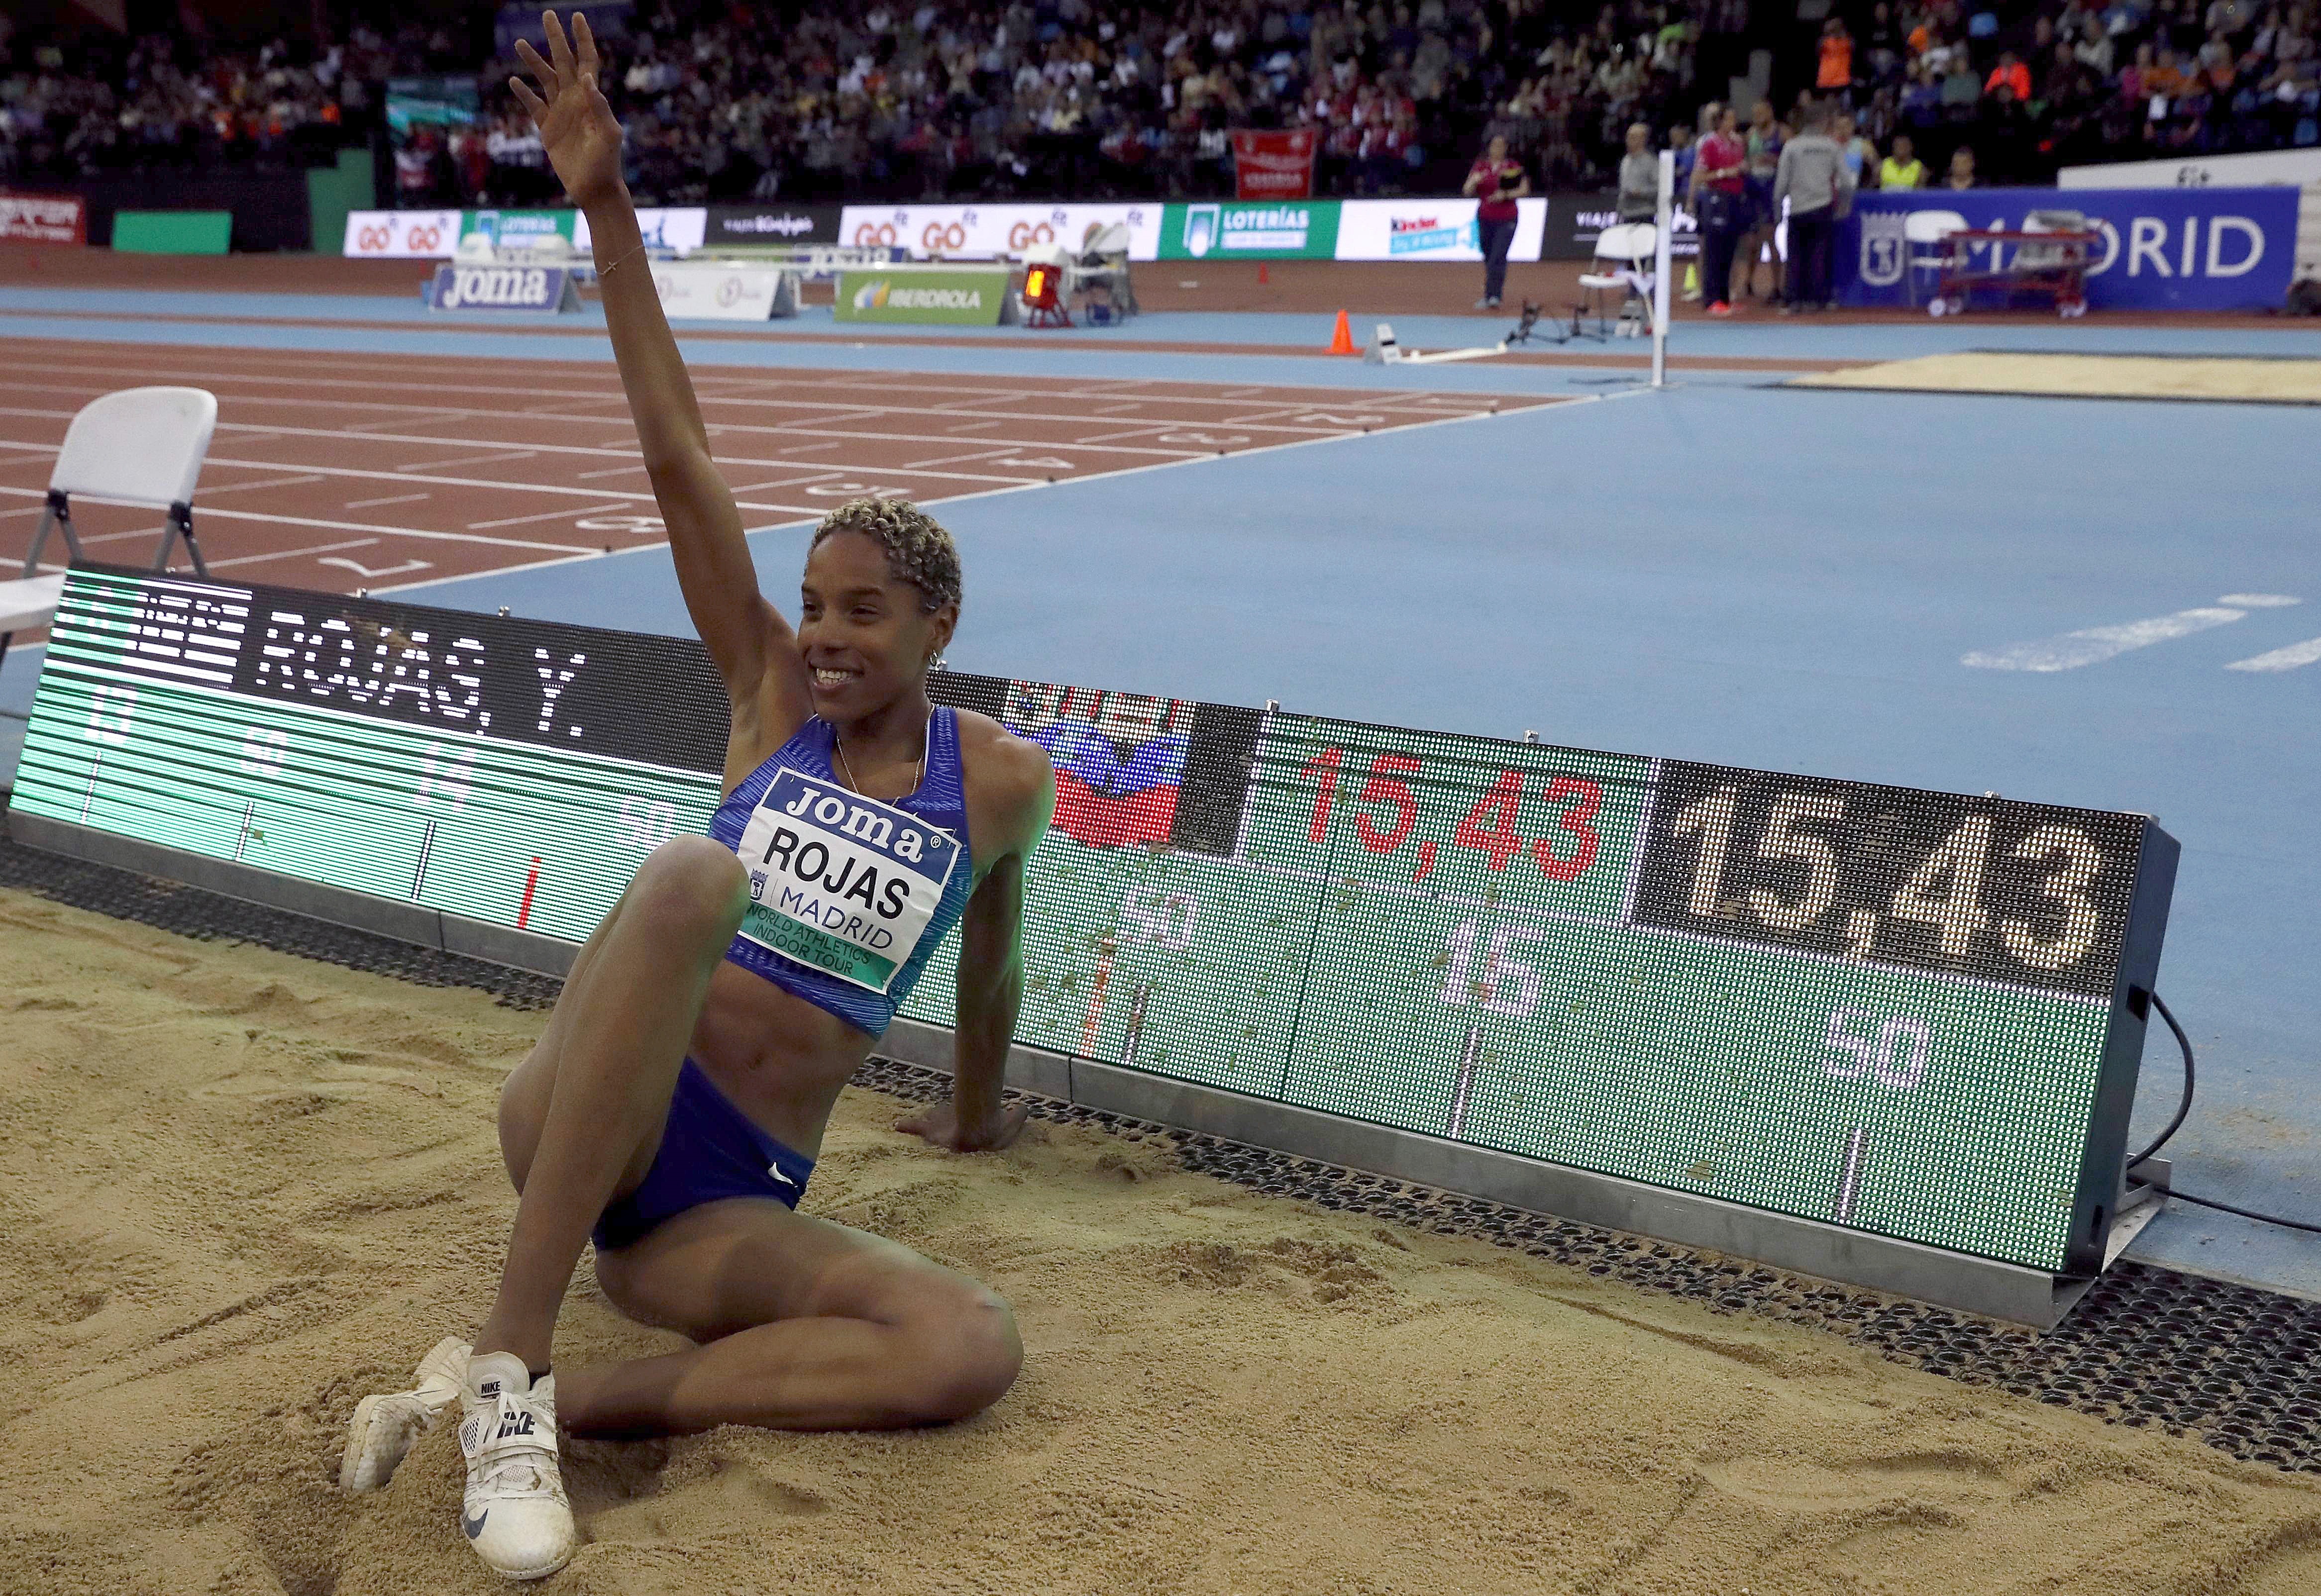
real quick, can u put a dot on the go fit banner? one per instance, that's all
(988, 233)
(401, 235)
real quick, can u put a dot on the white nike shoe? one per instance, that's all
(385, 1426)
(515, 1514)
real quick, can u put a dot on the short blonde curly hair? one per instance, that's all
(918, 550)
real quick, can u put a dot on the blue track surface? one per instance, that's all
(1722, 571)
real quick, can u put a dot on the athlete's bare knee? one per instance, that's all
(689, 893)
(969, 1354)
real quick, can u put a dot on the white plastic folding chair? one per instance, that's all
(141, 446)
(1623, 264)
(1925, 242)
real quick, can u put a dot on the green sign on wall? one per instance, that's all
(1914, 1014)
(954, 294)
(1244, 230)
(172, 232)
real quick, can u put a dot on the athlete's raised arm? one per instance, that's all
(751, 643)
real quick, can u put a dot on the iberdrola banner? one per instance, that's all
(957, 295)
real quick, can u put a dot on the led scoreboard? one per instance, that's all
(1908, 1013)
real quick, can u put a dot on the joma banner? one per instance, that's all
(1273, 164)
(503, 289)
(44, 218)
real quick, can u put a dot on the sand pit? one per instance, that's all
(239, 1189)
(2247, 380)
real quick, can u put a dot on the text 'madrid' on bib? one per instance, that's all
(841, 883)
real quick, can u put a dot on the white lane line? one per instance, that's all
(1576, 403)
(607, 471)
(253, 559)
(438, 411)
(2297, 653)
(390, 499)
(213, 490)
(334, 526)
(563, 512)
(510, 454)
(2095, 644)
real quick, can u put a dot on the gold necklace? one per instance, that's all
(918, 776)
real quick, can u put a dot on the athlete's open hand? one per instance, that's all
(939, 1125)
(576, 123)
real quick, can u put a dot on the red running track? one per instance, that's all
(340, 472)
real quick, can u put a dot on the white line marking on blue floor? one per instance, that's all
(1573, 404)
(2289, 659)
(2095, 644)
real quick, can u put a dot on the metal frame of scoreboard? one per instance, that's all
(1806, 912)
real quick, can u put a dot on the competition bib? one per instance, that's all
(842, 883)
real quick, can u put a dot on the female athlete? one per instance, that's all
(677, 1099)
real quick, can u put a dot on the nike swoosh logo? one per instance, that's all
(475, 1526)
(775, 1170)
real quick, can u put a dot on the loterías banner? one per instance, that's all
(1277, 165)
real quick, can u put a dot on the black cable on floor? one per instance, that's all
(2182, 1110)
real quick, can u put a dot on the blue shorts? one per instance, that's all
(709, 1150)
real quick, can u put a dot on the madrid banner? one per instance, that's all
(2161, 249)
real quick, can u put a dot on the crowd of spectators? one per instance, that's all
(923, 98)
(173, 100)
(2081, 81)
(1069, 96)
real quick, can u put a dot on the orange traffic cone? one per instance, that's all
(1263, 276)
(1341, 341)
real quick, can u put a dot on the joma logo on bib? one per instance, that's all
(839, 882)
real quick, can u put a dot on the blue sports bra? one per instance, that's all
(850, 896)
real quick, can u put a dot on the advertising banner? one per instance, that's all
(2296, 167)
(446, 101)
(1575, 220)
(486, 233)
(2162, 249)
(724, 293)
(401, 235)
(607, 19)
(1430, 229)
(772, 224)
(989, 232)
(954, 294)
(1297, 230)
(503, 289)
(44, 218)
(1273, 164)
(678, 228)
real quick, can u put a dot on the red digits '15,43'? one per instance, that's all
(1488, 827)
